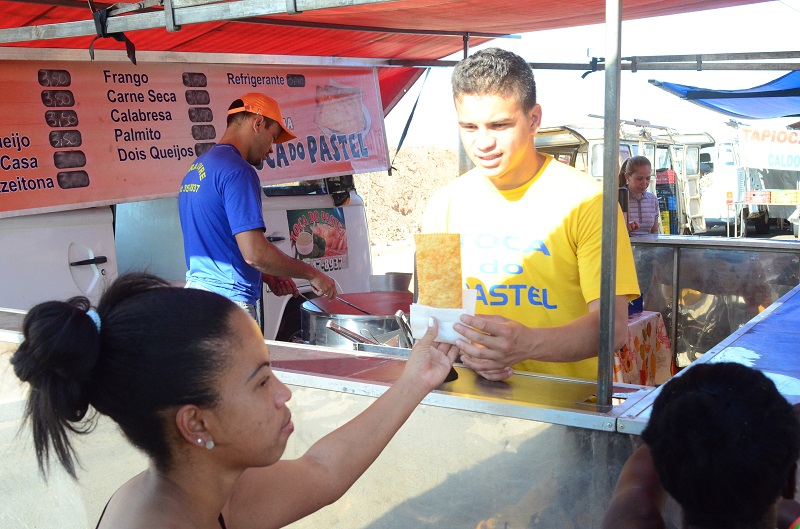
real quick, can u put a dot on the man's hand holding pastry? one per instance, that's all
(492, 344)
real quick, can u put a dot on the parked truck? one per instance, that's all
(752, 178)
(674, 157)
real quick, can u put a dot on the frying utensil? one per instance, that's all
(406, 339)
(347, 333)
(312, 302)
(354, 306)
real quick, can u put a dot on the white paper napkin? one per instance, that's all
(446, 317)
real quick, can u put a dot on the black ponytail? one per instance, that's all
(156, 347)
(57, 359)
(621, 180)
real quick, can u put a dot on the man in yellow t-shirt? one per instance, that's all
(530, 233)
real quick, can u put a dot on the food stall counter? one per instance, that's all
(768, 342)
(474, 453)
(557, 400)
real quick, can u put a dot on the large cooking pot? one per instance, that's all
(383, 306)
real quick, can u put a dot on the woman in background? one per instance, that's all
(186, 375)
(643, 214)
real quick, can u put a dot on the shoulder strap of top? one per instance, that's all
(221, 519)
(104, 512)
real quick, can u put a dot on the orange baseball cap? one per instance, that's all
(264, 105)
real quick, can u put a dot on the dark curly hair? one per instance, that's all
(158, 347)
(724, 442)
(495, 71)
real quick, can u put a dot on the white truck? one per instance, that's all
(740, 171)
(92, 155)
(675, 159)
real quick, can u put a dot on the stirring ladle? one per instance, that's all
(354, 306)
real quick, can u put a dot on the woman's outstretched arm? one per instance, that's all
(277, 495)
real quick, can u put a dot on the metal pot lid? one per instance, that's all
(378, 303)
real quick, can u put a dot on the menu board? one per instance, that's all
(80, 134)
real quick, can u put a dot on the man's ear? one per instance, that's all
(535, 116)
(190, 424)
(790, 488)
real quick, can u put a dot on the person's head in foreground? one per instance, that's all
(725, 443)
(186, 374)
(257, 120)
(495, 98)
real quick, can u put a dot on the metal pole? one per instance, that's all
(464, 163)
(605, 367)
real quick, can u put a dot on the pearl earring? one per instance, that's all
(209, 444)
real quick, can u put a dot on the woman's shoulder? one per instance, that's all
(133, 506)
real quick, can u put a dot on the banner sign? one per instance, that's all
(81, 134)
(319, 237)
(769, 149)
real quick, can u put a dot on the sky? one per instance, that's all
(567, 99)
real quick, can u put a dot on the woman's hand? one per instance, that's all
(430, 361)
(633, 226)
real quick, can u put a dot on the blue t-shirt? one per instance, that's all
(219, 197)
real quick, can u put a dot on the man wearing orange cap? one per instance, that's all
(221, 217)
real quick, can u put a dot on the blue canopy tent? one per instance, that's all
(779, 98)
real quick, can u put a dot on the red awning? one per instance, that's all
(426, 19)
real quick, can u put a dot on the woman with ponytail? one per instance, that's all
(643, 214)
(186, 375)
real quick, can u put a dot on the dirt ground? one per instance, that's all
(395, 203)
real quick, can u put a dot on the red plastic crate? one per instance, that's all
(665, 177)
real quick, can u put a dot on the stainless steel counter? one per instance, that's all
(513, 454)
(564, 401)
(708, 287)
(769, 342)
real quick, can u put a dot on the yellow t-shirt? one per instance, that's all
(533, 253)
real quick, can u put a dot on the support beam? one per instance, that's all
(608, 254)
(192, 14)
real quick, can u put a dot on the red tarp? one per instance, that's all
(255, 37)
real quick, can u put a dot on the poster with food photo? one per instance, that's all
(319, 237)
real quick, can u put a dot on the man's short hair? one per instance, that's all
(495, 72)
(724, 442)
(239, 117)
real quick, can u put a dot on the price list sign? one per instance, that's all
(81, 134)
(58, 101)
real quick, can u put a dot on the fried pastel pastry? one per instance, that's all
(438, 268)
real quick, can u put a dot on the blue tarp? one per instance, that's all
(777, 99)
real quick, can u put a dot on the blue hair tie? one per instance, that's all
(95, 318)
